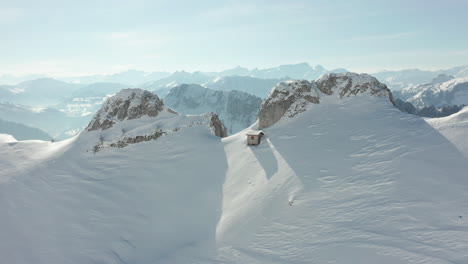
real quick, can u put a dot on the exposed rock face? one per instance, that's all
(126, 104)
(347, 84)
(287, 98)
(133, 140)
(292, 97)
(218, 127)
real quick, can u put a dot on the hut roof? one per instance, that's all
(254, 133)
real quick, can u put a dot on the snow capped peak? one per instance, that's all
(453, 84)
(319, 67)
(296, 89)
(442, 78)
(136, 115)
(442, 91)
(349, 83)
(287, 98)
(126, 104)
(290, 98)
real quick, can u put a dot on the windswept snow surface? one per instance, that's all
(5, 138)
(145, 203)
(350, 180)
(454, 128)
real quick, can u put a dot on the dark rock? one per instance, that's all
(218, 127)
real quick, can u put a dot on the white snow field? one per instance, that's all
(454, 128)
(350, 180)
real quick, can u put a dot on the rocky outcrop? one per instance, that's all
(137, 139)
(292, 97)
(348, 84)
(134, 115)
(287, 98)
(126, 138)
(217, 126)
(125, 105)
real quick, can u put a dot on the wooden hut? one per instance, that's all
(254, 137)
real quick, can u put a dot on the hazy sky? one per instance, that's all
(61, 37)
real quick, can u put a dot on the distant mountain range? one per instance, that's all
(257, 81)
(82, 96)
(289, 71)
(157, 80)
(252, 85)
(397, 80)
(144, 79)
(236, 109)
(427, 111)
(22, 132)
(86, 100)
(441, 91)
(38, 93)
(54, 122)
(129, 78)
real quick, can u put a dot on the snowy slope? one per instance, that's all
(367, 184)
(129, 205)
(349, 180)
(119, 204)
(454, 128)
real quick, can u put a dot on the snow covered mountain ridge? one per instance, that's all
(136, 115)
(441, 91)
(292, 97)
(349, 180)
(126, 104)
